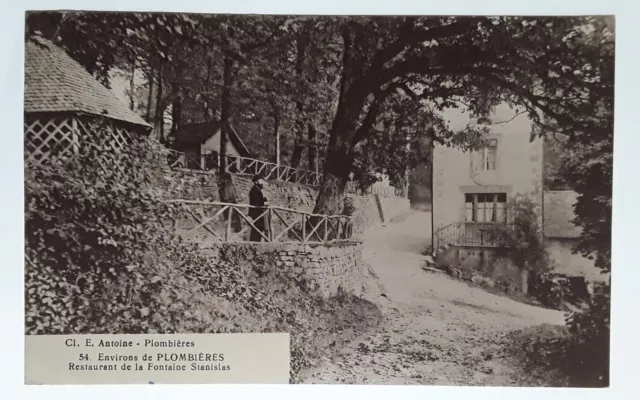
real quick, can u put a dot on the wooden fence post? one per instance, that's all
(304, 228)
(228, 229)
(326, 229)
(270, 216)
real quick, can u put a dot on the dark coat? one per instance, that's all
(256, 199)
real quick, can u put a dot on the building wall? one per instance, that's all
(566, 263)
(518, 168)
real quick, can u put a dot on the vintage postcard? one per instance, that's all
(418, 200)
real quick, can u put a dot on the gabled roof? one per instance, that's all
(54, 82)
(558, 213)
(198, 133)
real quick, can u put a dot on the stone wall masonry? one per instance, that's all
(324, 271)
(202, 185)
(366, 213)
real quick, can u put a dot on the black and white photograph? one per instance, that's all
(414, 199)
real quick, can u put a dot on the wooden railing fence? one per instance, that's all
(203, 221)
(244, 165)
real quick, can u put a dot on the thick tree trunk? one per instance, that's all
(225, 111)
(301, 45)
(354, 91)
(296, 156)
(312, 151)
(337, 167)
(276, 135)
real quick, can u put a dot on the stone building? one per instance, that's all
(471, 191)
(561, 236)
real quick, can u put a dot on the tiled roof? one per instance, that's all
(54, 82)
(198, 133)
(558, 214)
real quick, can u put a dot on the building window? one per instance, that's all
(484, 159)
(485, 207)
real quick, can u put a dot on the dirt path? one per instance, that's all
(435, 330)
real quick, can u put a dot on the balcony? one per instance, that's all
(473, 234)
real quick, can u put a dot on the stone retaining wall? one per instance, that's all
(201, 185)
(323, 270)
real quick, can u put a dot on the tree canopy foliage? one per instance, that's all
(365, 93)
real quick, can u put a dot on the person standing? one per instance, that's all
(257, 212)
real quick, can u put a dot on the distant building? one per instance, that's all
(200, 145)
(561, 236)
(471, 190)
(64, 105)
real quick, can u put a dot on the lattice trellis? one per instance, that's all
(110, 137)
(49, 139)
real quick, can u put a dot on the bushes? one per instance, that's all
(580, 353)
(575, 355)
(522, 238)
(556, 290)
(100, 251)
(102, 257)
(591, 339)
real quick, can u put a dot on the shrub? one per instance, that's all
(100, 250)
(575, 355)
(102, 257)
(591, 339)
(522, 239)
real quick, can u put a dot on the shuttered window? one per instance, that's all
(484, 159)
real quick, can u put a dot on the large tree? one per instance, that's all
(540, 64)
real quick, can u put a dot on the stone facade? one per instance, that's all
(324, 271)
(518, 169)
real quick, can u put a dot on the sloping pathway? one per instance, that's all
(435, 330)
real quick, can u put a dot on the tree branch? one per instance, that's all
(507, 121)
(535, 103)
(409, 35)
(372, 113)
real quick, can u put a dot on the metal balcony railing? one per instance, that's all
(478, 234)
